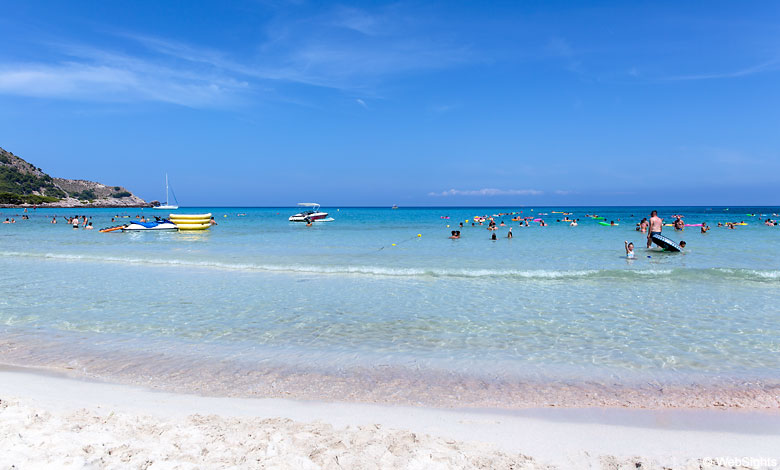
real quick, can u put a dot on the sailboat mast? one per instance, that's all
(166, 189)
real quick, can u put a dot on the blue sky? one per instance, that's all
(415, 103)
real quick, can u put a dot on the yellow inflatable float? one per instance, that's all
(191, 221)
(182, 226)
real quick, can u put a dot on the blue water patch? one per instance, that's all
(380, 286)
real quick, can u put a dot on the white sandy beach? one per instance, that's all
(50, 421)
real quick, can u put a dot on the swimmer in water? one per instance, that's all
(682, 243)
(493, 236)
(509, 235)
(629, 249)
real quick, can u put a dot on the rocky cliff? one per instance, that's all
(22, 183)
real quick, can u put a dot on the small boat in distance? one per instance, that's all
(167, 204)
(312, 214)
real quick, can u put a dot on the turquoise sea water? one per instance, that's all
(556, 302)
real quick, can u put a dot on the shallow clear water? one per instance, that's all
(557, 302)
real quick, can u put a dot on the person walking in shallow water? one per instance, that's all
(655, 226)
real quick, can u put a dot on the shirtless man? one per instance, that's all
(656, 225)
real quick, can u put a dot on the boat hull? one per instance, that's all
(134, 227)
(312, 217)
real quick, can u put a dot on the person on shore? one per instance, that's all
(509, 235)
(656, 224)
(704, 227)
(629, 249)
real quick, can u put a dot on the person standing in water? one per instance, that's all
(629, 249)
(656, 225)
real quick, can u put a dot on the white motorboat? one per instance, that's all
(167, 204)
(311, 215)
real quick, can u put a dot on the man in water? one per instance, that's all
(679, 224)
(656, 225)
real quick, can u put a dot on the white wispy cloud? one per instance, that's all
(769, 65)
(361, 103)
(487, 192)
(107, 82)
(321, 51)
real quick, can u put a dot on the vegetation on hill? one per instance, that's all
(23, 183)
(15, 182)
(10, 198)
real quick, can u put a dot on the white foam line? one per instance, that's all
(381, 271)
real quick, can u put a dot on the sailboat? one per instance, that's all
(168, 205)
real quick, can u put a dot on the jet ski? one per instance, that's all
(159, 224)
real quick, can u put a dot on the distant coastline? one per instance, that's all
(65, 205)
(22, 184)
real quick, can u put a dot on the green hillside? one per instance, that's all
(24, 183)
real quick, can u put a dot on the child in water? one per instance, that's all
(629, 249)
